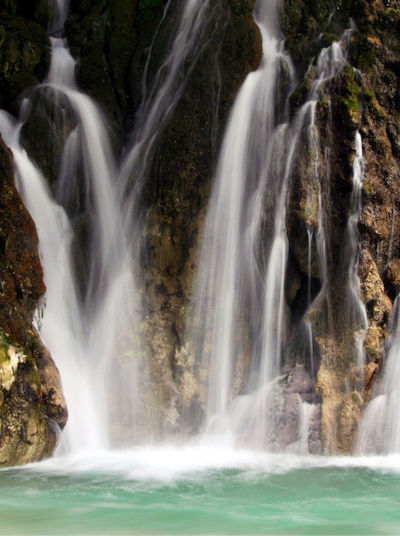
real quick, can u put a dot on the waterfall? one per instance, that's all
(160, 100)
(306, 413)
(88, 335)
(237, 332)
(355, 308)
(92, 311)
(230, 271)
(62, 322)
(239, 312)
(308, 324)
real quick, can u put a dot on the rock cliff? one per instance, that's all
(364, 97)
(111, 40)
(32, 408)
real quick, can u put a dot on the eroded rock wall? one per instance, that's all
(364, 97)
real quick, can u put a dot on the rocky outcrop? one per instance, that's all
(362, 96)
(32, 408)
(24, 57)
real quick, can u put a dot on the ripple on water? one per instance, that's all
(201, 491)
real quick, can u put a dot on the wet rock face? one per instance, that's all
(297, 414)
(349, 102)
(103, 36)
(110, 39)
(24, 56)
(32, 407)
(178, 190)
(48, 122)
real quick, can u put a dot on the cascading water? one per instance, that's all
(380, 427)
(86, 334)
(61, 8)
(237, 334)
(62, 323)
(230, 270)
(161, 98)
(306, 413)
(258, 382)
(356, 311)
(92, 311)
(91, 323)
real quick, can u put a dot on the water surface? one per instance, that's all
(201, 490)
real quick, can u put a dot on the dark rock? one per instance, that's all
(24, 56)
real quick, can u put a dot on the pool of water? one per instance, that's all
(197, 490)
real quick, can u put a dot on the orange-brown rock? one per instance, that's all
(32, 407)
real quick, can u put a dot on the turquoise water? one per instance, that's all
(201, 491)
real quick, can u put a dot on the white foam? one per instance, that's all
(169, 463)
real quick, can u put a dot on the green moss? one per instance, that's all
(323, 107)
(356, 398)
(4, 345)
(368, 95)
(374, 108)
(363, 51)
(350, 97)
(32, 375)
(352, 89)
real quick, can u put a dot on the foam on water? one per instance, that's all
(171, 463)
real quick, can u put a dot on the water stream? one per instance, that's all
(240, 313)
(380, 429)
(92, 311)
(81, 330)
